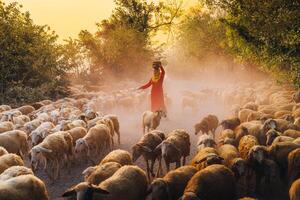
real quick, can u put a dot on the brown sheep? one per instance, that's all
(76, 133)
(231, 123)
(211, 183)
(15, 142)
(145, 147)
(292, 133)
(95, 175)
(14, 171)
(271, 135)
(279, 153)
(176, 146)
(23, 187)
(120, 156)
(205, 157)
(6, 126)
(294, 165)
(25, 110)
(172, 185)
(245, 145)
(207, 124)
(9, 160)
(129, 182)
(294, 191)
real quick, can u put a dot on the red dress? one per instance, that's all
(157, 92)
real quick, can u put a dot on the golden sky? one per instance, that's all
(68, 17)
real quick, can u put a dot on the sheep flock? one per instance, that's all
(232, 142)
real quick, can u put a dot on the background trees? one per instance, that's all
(30, 64)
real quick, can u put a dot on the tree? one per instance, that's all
(264, 32)
(29, 56)
(122, 46)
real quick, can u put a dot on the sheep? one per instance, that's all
(54, 148)
(4, 108)
(116, 124)
(99, 173)
(251, 106)
(23, 187)
(231, 123)
(205, 157)
(20, 120)
(282, 138)
(76, 123)
(120, 156)
(205, 141)
(77, 133)
(291, 133)
(176, 146)
(294, 191)
(3, 151)
(278, 124)
(14, 171)
(279, 153)
(110, 125)
(172, 185)
(42, 131)
(251, 128)
(245, 114)
(9, 160)
(271, 135)
(37, 105)
(213, 182)
(294, 165)
(232, 159)
(129, 182)
(146, 148)
(6, 126)
(14, 142)
(245, 144)
(94, 142)
(32, 125)
(207, 124)
(25, 110)
(151, 120)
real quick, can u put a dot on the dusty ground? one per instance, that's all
(131, 132)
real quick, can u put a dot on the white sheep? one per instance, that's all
(6, 126)
(55, 148)
(9, 160)
(14, 171)
(95, 141)
(14, 141)
(42, 131)
(23, 187)
(129, 182)
(151, 120)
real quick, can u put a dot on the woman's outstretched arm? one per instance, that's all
(146, 85)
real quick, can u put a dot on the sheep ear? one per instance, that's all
(45, 150)
(145, 148)
(99, 190)
(200, 161)
(69, 192)
(158, 148)
(88, 170)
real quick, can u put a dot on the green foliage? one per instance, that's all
(29, 55)
(264, 32)
(201, 35)
(122, 46)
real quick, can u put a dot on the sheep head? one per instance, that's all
(271, 135)
(238, 166)
(200, 127)
(137, 151)
(159, 190)
(206, 141)
(269, 124)
(84, 191)
(258, 153)
(37, 154)
(80, 145)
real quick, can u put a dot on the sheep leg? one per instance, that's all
(148, 170)
(183, 161)
(119, 137)
(159, 170)
(167, 165)
(48, 169)
(177, 164)
(151, 168)
(57, 169)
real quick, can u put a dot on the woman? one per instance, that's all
(157, 93)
